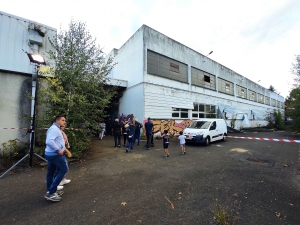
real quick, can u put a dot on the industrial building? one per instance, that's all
(174, 84)
(157, 77)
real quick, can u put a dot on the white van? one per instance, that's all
(206, 131)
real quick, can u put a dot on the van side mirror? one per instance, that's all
(212, 128)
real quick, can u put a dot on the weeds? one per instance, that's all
(222, 215)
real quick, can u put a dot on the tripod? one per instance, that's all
(32, 127)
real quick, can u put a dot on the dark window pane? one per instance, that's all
(201, 115)
(184, 115)
(195, 107)
(195, 115)
(184, 110)
(213, 109)
(175, 114)
(206, 78)
(201, 108)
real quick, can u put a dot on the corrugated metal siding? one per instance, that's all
(14, 38)
(159, 102)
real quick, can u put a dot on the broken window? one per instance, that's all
(174, 67)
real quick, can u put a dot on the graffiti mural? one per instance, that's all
(160, 125)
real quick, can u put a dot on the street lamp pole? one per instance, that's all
(208, 55)
(37, 60)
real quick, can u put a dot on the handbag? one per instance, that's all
(68, 153)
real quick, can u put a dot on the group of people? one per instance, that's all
(56, 148)
(131, 131)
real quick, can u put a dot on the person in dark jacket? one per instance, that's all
(148, 128)
(130, 136)
(137, 135)
(117, 131)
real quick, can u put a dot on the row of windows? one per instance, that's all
(163, 66)
(199, 111)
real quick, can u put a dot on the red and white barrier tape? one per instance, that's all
(22, 128)
(266, 139)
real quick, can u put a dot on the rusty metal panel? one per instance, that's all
(15, 34)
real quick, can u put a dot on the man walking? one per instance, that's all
(148, 128)
(57, 163)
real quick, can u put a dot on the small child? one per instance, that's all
(182, 142)
(166, 139)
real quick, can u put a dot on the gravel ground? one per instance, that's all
(255, 182)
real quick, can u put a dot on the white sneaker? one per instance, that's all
(60, 187)
(64, 181)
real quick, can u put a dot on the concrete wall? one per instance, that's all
(132, 101)
(14, 106)
(129, 67)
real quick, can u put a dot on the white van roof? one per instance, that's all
(208, 119)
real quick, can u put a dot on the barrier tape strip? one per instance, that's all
(23, 128)
(266, 139)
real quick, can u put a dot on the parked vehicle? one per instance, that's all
(206, 131)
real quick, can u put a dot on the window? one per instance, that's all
(225, 86)
(252, 95)
(260, 98)
(267, 101)
(241, 91)
(174, 67)
(204, 111)
(165, 67)
(180, 113)
(202, 79)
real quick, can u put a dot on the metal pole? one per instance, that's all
(33, 101)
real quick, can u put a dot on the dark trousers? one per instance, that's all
(149, 138)
(57, 169)
(125, 138)
(117, 137)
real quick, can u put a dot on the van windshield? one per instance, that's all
(200, 124)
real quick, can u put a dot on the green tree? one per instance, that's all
(292, 102)
(296, 71)
(78, 88)
(272, 88)
(293, 108)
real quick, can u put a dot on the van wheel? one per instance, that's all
(224, 138)
(207, 141)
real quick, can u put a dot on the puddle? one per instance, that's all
(238, 150)
(258, 160)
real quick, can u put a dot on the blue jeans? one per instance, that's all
(130, 142)
(57, 169)
(138, 137)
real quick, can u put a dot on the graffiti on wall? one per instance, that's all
(125, 117)
(160, 125)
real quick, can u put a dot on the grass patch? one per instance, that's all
(222, 214)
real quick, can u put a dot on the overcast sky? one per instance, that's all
(255, 38)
